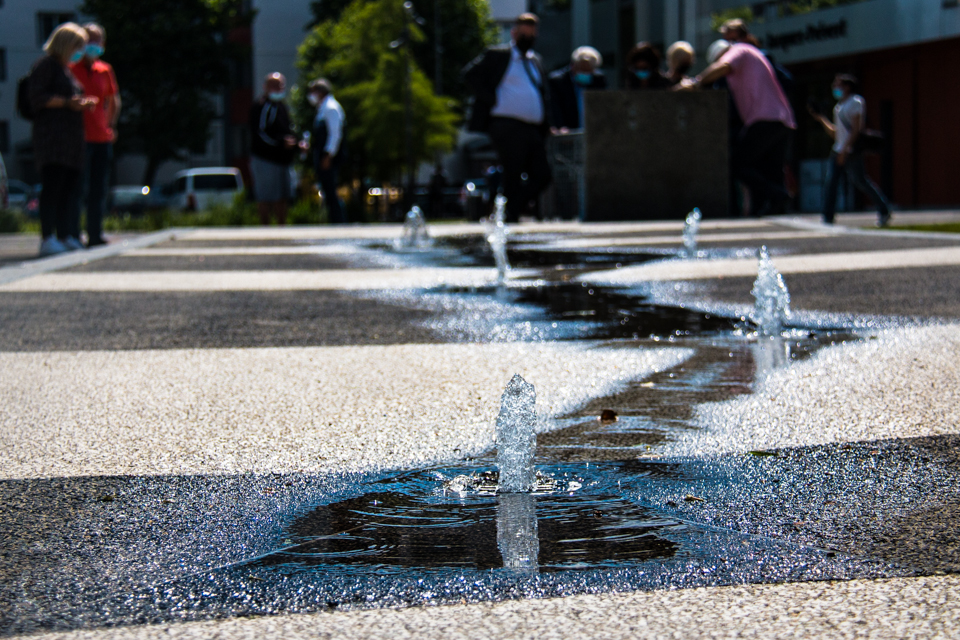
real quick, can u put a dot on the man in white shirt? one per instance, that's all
(511, 103)
(849, 116)
(327, 141)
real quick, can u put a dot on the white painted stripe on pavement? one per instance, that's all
(816, 263)
(323, 249)
(331, 279)
(639, 241)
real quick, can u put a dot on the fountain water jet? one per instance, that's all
(497, 237)
(517, 533)
(415, 234)
(516, 437)
(772, 300)
(691, 226)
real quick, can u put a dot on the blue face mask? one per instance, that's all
(94, 51)
(837, 93)
(583, 78)
(77, 56)
(277, 96)
(643, 74)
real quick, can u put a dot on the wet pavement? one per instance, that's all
(108, 550)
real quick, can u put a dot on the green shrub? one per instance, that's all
(306, 212)
(11, 221)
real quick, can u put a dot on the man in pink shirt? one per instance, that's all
(760, 149)
(99, 126)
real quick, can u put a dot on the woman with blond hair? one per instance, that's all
(680, 59)
(57, 101)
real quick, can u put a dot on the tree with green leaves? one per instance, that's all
(170, 58)
(465, 30)
(354, 52)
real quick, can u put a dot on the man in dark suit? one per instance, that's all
(568, 85)
(511, 104)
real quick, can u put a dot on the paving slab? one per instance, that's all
(907, 608)
(108, 320)
(905, 292)
(272, 410)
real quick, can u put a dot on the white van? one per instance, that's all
(198, 189)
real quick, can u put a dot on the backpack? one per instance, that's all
(24, 107)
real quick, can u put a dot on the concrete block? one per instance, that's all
(654, 155)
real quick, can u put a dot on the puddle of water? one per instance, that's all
(411, 523)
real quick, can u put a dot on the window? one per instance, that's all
(215, 182)
(3, 64)
(4, 136)
(47, 22)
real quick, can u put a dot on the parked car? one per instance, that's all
(196, 189)
(18, 194)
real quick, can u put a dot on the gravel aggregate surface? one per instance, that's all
(901, 384)
(905, 292)
(272, 410)
(220, 262)
(343, 280)
(203, 320)
(169, 412)
(903, 608)
(819, 263)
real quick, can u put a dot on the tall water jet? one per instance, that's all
(771, 308)
(497, 237)
(516, 436)
(415, 234)
(517, 534)
(691, 226)
(769, 354)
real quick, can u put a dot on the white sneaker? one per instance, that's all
(50, 246)
(72, 244)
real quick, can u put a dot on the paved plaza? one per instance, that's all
(174, 408)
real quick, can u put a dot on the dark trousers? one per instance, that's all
(328, 186)
(857, 175)
(758, 158)
(96, 178)
(523, 155)
(58, 199)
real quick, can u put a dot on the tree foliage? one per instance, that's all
(465, 30)
(170, 58)
(369, 78)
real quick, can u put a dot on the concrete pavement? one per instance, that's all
(306, 353)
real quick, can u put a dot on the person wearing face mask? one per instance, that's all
(568, 85)
(680, 59)
(512, 104)
(99, 126)
(327, 140)
(846, 157)
(272, 149)
(58, 103)
(643, 68)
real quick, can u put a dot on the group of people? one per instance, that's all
(75, 103)
(519, 105)
(274, 146)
